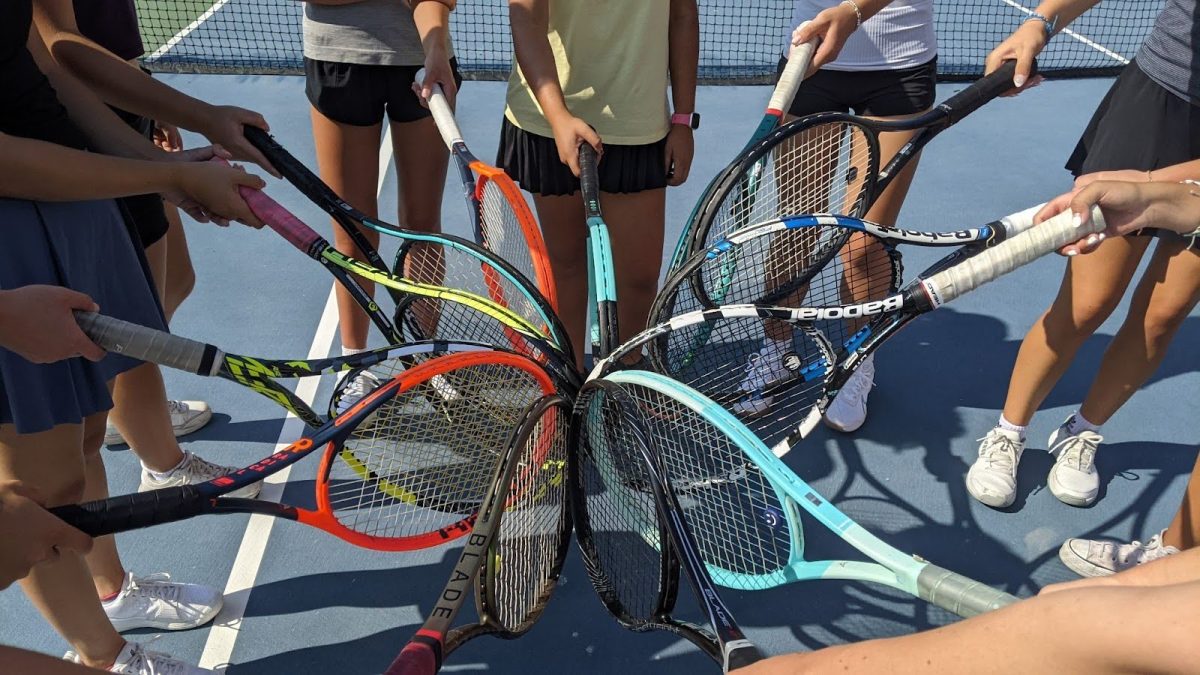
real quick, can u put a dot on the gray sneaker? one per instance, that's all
(1100, 558)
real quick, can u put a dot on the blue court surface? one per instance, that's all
(299, 601)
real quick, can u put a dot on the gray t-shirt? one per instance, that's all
(1169, 55)
(372, 32)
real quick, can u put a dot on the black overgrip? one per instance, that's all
(589, 179)
(981, 91)
(132, 512)
(147, 344)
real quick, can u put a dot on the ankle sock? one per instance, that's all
(1009, 426)
(351, 351)
(163, 475)
(1079, 423)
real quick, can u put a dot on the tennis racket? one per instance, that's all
(426, 264)
(515, 550)
(799, 58)
(633, 533)
(829, 163)
(602, 278)
(400, 471)
(501, 216)
(783, 398)
(749, 511)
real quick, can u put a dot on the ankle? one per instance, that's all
(101, 656)
(1078, 424)
(168, 468)
(1008, 425)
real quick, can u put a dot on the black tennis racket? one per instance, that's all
(633, 533)
(602, 278)
(515, 550)
(717, 350)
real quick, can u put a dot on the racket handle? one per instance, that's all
(981, 91)
(147, 344)
(419, 657)
(443, 116)
(274, 216)
(589, 178)
(1007, 256)
(1020, 221)
(740, 654)
(793, 73)
(132, 512)
(956, 593)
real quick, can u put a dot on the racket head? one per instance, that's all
(508, 228)
(824, 163)
(413, 474)
(623, 540)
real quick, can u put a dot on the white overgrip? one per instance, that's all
(145, 344)
(443, 116)
(793, 73)
(1021, 220)
(1022, 249)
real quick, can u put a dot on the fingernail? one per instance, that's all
(1100, 237)
(1018, 80)
(1091, 240)
(1072, 252)
(1077, 220)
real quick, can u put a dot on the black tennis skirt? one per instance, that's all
(532, 161)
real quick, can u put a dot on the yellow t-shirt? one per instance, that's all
(612, 66)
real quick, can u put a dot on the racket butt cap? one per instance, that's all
(421, 656)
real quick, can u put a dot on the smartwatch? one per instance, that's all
(691, 120)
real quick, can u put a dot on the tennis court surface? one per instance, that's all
(299, 601)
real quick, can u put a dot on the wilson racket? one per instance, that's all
(829, 163)
(749, 511)
(633, 533)
(258, 374)
(501, 217)
(782, 394)
(435, 260)
(602, 278)
(799, 57)
(515, 550)
(401, 470)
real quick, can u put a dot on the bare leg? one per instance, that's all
(1092, 287)
(635, 222)
(1184, 530)
(64, 465)
(565, 232)
(421, 161)
(179, 277)
(347, 159)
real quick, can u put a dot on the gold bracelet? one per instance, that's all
(857, 11)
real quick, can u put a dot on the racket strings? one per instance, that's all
(421, 462)
(526, 557)
(504, 230)
(734, 512)
(820, 169)
(626, 558)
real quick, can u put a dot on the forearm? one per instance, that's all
(13, 660)
(433, 25)
(32, 169)
(685, 54)
(530, 22)
(1176, 172)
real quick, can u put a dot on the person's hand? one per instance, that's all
(437, 71)
(1128, 207)
(225, 125)
(29, 534)
(1124, 175)
(208, 191)
(1023, 45)
(832, 27)
(678, 154)
(167, 138)
(38, 323)
(569, 132)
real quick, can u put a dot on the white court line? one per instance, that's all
(218, 649)
(1067, 31)
(181, 35)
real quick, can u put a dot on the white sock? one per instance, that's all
(351, 351)
(1009, 426)
(1079, 423)
(166, 474)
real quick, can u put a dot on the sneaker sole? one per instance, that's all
(1079, 565)
(130, 624)
(843, 428)
(1079, 499)
(989, 500)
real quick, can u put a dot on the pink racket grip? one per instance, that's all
(417, 658)
(276, 217)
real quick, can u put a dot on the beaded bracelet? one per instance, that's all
(857, 11)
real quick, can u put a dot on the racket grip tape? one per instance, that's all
(956, 593)
(799, 57)
(1007, 256)
(981, 91)
(148, 344)
(443, 116)
(421, 656)
(274, 216)
(740, 654)
(132, 512)
(589, 178)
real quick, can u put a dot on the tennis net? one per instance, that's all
(741, 40)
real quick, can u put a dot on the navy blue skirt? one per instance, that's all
(85, 246)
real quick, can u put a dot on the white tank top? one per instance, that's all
(901, 35)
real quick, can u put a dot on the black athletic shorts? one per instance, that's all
(532, 161)
(1138, 126)
(144, 212)
(878, 93)
(360, 95)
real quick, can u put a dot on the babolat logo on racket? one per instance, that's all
(919, 236)
(890, 304)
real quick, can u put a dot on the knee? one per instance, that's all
(182, 283)
(1161, 323)
(1082, 317)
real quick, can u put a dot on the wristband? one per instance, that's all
(690, 120)
(857, 11)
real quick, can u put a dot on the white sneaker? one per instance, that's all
(355, 390)
(993, 477)
(763, 370)
(848, 410)
(444, 389)
(135, 659)
(186, 417)
(194, 469)
(1073, 478)
(157, 602)
(1099, 558)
